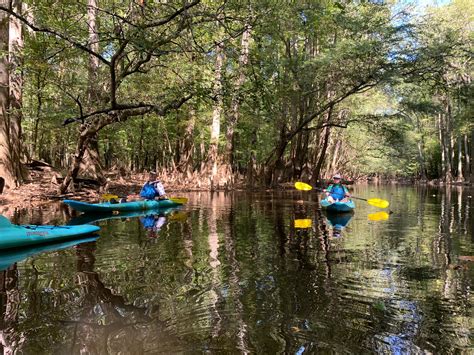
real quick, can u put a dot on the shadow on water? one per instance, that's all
(238, 273)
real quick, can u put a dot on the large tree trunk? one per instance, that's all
(445, 141)
(86, 134)
(11, 42)
(91, 165)
(236, 100)
(212, 158)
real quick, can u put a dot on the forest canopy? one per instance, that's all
(236, 92)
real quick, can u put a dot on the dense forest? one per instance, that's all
(219, 93)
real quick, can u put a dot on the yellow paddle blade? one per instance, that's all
(303, 223)
(108, 197)
(302, 186)
(180, 200)
(378, 202)
(178, 216)
(378, 216)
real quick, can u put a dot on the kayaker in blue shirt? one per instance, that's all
(337, 191)
(153, 188)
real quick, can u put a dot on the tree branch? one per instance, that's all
(122, 112)
(172, 16)
(76, 44)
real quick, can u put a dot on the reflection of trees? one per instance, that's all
(106, 322)
(10, 338)
(237, 276)
(235, 280)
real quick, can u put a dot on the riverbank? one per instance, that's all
(43, 187)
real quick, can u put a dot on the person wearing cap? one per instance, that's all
(337, 191)
(153, 188)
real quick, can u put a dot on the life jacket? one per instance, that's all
(148, 191)
(337, 191)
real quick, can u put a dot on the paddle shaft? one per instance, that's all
(323, 190)
(377, 202)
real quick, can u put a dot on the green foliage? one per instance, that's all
(302, 56)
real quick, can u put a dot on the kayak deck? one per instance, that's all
(338, 206)
(105, 207)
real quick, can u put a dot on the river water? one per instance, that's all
(230, 273)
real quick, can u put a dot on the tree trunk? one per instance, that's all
(275, 163)
(11, 42)
(467, 159)
(252, 163)
(86, 134)
(460, 177)
(335, 155)
(322, 155)
(472, 158)
(216, 115)
(92, 166)
(236, 100)
(441, 143)
(39, 108)
(448, 143)
(185, 162)
(421, 149)
(94, 46)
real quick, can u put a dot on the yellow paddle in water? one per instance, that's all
(180, 200)
(303, 223)
(377, 202)
(378, 216)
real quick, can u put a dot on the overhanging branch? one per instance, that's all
(35, 28)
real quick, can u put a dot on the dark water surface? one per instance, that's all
(230, 273)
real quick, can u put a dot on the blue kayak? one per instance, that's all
(338, 206)
(14, 236)
(339, 220)
(9, 257)
(107, 207)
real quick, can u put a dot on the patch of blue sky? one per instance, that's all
(419, 6)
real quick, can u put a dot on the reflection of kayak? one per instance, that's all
(14, 236)
(8, 257)
(339, 220)
(338, 206)
(119, 207)
(91, 218)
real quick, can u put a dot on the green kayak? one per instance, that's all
(107, 207)
(14, 236)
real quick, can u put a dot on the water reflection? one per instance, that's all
(233, 273)
(338, 221)
(11, 256)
